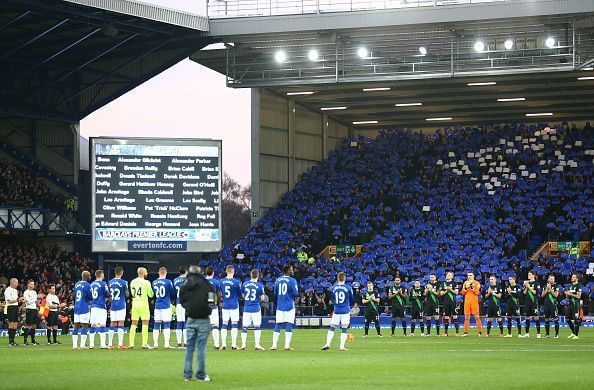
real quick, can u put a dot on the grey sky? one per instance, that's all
(186, 101)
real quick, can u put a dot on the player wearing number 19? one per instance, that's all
(252, 316)
(117, 312)
(343, 298)
(141, 291)
(164, 294)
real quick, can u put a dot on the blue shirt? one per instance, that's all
(177, 283)
(118, 288)
(343, 298)
(164, 293)
(82, 297)
(252, 293)
(285, 291)
(99, 293)
(231, 289)
(215, 284)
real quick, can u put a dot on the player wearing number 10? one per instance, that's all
(343, 298)
(164, 294)
(285, 291)
(141, 291)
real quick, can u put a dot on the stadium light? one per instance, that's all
(550, 42)
(333, 108)
(448, 118)
(586, 78)
(541, 114)
(300, 93)
(362, 52)
(423, 50)
(280, 56)
(313, 55)
(364, 122)
(376, 89)
(479, 46)
(508, 44)
(588, 68)
(481, 84)
(408, 104)
(511, 100)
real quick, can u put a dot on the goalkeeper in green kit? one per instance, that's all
(140, 292)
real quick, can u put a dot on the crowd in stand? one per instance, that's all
(19, 187)
(462, 199)
(46, 266)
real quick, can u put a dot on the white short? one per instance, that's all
(163, 315)
(82, 318)
(285, 316)
(98, 316)
(340, 319)
(232, 315)
(251, 319)
(214, 317)
(180, 313)
(117, 315)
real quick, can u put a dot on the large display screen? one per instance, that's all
(156, 195)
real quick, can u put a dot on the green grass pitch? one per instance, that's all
(419, 362)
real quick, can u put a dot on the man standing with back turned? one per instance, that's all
(198, 297)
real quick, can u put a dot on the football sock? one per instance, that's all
(132, 335)
(329, 336)
(343, 337)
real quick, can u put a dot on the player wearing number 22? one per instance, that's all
(117, 313)
(231, 289)
(343, 298)
(100, 294)
(164, 294)
(285, 291)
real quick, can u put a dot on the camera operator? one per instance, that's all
(198, 297)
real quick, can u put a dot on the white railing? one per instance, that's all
(247, 8)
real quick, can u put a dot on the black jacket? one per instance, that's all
(193, 296)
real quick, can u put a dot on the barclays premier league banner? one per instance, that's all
(156, 195)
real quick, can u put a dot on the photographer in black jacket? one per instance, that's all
(198, 297)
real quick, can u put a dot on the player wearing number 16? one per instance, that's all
(343, 298)
(164, 294)
(141, 291)
(100, 294)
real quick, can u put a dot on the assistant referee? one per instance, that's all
(11, 296)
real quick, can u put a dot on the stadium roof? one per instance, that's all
(532, 49)
(62, 59)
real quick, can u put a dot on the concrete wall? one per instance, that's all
(287, 140)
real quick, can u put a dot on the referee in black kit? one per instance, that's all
(31, 312)
(11, 297)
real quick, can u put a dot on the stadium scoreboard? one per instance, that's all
(152, 195)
